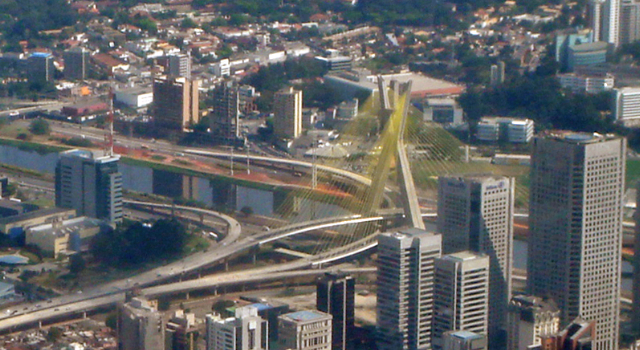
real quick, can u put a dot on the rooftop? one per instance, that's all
(34, 214)
(304, 316)
(422, 85)
(579, 137)
(462, 256)
(584, 48)
(499, 120)
(97, 155)
(138, 90)
(66, 226)
(466, 335)
(41, 54)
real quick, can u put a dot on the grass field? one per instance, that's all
(633, 173)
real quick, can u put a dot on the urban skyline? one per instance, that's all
(365, 175)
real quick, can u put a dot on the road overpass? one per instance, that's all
(60, 312)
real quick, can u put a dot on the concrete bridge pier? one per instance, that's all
(254, 254)
(186, 296)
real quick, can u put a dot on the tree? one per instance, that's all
(54, 334)
(76, 263)
(221, 306)
(164, 304)
(112, 321)
(40, 127)
(246, 210)
(133, 244)
(188, 23)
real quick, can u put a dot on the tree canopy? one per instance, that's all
(541, 99)
(24, 19)
(134, 243)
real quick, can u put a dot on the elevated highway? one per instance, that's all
(61, 312)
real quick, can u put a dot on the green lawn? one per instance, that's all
(633, 172)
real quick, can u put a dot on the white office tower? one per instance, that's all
(304, 330)
(245, 331)
(575, 225)
(464, 340)
(405, 288)
(461, 295)
(140, 326)
(529, 319)
(475, 212)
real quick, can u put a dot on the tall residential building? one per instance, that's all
(575, 227)
(604, 20)
(578, 335)
(304, 330)
(529, 319)
(175, 103)
(629, 22)
(178, 65)
(636, 269)
(335, 293)
(76, 63)
(245, 331)
(140, 326)
(40, 67)
(464, 340)
(405, 288)
(595, 11)
(497, 73)
(287, 113)
(461, 295)
(476, 213)
(90, 183)
(225, 117)
(611, 22)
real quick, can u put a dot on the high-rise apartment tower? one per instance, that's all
(140, 326)
(287, 113)
(175, 103)
(225, 117)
